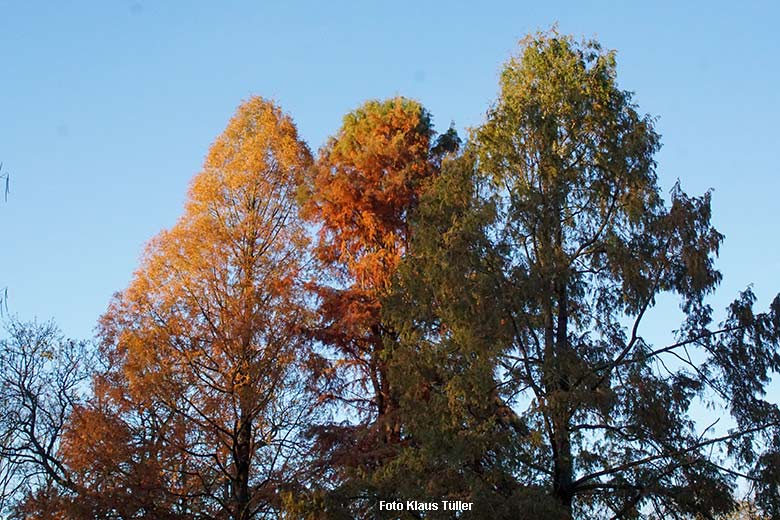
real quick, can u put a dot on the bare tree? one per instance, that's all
(42, 377)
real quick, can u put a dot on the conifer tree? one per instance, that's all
(535, 258)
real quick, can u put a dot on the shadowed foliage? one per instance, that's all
(535, 258)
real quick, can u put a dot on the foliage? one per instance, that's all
(535, 259)
(366, 182)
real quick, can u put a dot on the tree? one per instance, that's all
(43, 378)
(203, 396)
(536, 256)
(366, 182)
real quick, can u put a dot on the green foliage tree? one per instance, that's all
(535, 259)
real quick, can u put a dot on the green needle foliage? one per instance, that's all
(529, 386)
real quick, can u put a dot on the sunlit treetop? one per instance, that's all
(368, 177)
(221, 281)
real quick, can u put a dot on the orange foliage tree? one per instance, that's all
(202, 399)
(367, 180)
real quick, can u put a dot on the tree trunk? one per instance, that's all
(242, 458)
(557, 370)
(563, 471)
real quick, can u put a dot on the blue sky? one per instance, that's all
(108, 108)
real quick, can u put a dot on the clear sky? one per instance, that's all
(108, 108)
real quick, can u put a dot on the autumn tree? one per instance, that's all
(203, 398)
(536, 257)
(366, 182)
